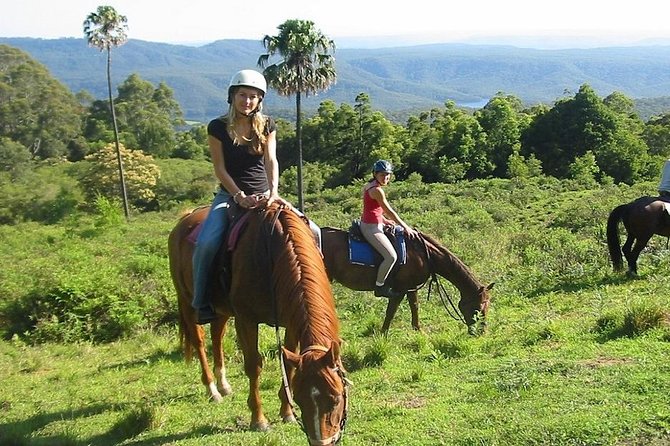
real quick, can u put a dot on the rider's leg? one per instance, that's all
(207, 245)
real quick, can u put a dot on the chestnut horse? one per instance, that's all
(425, 258)
(642, 218)
(279, 279)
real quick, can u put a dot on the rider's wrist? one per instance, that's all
(237, 194)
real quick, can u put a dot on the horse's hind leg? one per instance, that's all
(205, 373)
(218, 331)
(626, 249)
(194, 337)
(634, 254)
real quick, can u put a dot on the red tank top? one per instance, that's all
(372, 210)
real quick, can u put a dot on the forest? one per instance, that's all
(401, 80)
(52, 136)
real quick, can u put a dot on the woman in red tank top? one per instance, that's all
(376, 209)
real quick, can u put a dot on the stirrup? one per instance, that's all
(386, 291)
(205, 315)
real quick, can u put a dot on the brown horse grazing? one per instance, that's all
(425, 258)
(279, 279)
(642, 218)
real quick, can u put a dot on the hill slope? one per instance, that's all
(397, 79)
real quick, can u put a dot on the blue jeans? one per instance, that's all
(207, 245)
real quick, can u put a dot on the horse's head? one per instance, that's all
(475, 309)
(320, 389)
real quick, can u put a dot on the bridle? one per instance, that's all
(287, 389)
(339, 370)
(445, 299)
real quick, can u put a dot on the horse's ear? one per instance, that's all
(291, 358)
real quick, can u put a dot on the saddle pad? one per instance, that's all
(193, 235)
(233, 234)
(362, 253)
(236, 230)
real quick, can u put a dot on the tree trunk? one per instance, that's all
(298, 132)
(122, 179)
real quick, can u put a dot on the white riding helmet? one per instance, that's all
(247, 78)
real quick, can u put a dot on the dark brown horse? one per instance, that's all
(278, 278)
(425, 258)
(642, 218)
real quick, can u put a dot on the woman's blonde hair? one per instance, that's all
(258, 136)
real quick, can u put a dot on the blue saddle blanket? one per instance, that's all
(362, 253)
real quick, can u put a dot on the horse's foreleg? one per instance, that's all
(247, 336)
(391, 309)
(218, 331)
(413, 300)
(286, 412)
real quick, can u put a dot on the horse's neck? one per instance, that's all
(308, 306)
(314, 329)
(447, 265)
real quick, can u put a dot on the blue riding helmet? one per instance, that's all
(382, 166)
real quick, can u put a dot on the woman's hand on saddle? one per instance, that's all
(251, 201)
(279, 200)
(411, 232)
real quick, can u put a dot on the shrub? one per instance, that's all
(140, 172)
(641, 318)
(45, 194)
(636, 320)
(184, 181)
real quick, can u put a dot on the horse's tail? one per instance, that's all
(178, 280)
(613, 242)
(185, 340)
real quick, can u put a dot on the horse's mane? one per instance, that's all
(301, 281)
(455, 264)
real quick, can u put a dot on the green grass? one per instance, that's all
(574, 354)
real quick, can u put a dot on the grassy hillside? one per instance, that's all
(397, 79)
(574, 354)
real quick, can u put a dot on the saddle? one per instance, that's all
(362, 253)
(238, 221)
(664, 196)
(238, 218)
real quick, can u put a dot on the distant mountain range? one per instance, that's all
(397, 79)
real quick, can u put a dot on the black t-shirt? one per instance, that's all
(247, 169)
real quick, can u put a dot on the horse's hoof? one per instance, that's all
(225, 390)
(288, 419)
(631, 274)
(214, 393)
(260, 427)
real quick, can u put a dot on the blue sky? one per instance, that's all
(422, 21)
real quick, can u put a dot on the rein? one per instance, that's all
(285, 383)
(451, 308)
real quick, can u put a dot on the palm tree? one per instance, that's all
(105, 29)
(306, 66)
